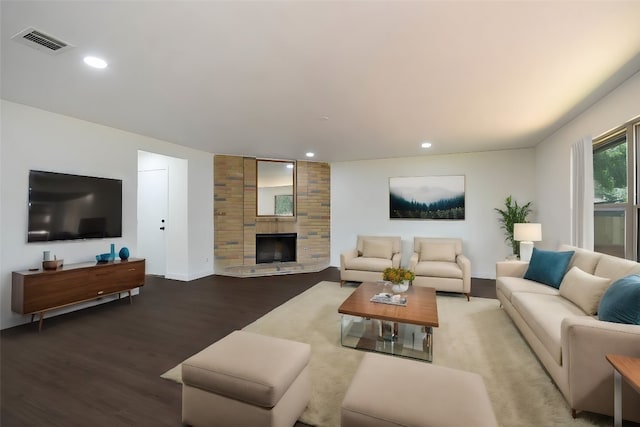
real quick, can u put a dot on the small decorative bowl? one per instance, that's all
(52, 265)
(103, 257)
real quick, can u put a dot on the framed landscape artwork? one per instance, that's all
(427, 197)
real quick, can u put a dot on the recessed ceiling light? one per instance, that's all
(310, 154)
(426, 145)
(94, 62)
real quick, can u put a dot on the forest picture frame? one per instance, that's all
(427, 197)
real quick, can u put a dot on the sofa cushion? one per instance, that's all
(544, 315)
(621, 302)
(368, 264)
(584, 289)
(509, 285)
(584, 259)
(377, 249)
(548, 267)
(438, 251)
(616, 268)
(438, 269)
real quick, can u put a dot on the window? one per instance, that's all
(615, 175)
(610, 171)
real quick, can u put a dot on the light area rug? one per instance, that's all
(475, 336)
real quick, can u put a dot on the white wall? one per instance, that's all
(553, 157)
(360, 202)
(36, 139)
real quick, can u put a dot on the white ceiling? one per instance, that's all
(348, 80)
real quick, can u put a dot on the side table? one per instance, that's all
(623, 367)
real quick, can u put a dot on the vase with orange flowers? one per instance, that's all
(399, 277)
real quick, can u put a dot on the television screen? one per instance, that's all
(67, 207)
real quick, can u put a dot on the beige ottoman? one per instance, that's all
(389, 391)
(246, 379)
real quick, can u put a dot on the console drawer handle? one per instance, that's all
(100, 292)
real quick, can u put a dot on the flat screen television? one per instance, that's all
(69, 207)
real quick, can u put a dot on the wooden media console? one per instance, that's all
(44, 290)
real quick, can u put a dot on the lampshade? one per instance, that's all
(527, 232)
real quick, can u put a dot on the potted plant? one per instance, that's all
(510, 215)
(400, 278)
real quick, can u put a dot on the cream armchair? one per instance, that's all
(370, 257)
(438, 263)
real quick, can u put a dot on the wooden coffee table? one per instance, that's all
(623, 367)
(393, 329)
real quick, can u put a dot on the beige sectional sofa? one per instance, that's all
(570, 343)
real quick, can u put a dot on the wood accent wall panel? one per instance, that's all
(314, 213)
(250, 203)
(228, 196)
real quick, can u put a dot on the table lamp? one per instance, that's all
(526, 234)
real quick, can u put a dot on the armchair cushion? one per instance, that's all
(377, 249)
(396, 242)
(437, 251)
(438, 269)
(368, 264)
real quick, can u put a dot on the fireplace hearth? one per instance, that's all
(276, 247)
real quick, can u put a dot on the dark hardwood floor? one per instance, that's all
(101, 366)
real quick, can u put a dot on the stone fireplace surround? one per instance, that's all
(236, 224)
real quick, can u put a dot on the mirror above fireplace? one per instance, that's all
(276, 188)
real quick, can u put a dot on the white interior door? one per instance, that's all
(153, 196)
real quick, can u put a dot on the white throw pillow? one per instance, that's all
(583, 289)
(441, 251)
(377, 249)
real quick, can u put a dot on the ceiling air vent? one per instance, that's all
(41, 41)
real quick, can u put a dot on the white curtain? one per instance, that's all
(582, 194)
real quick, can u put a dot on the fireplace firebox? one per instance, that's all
(278, 247)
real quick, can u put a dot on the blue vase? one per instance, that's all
(112, 256)
(124, 254)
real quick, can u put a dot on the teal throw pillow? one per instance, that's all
(548, 267)
(621, 302)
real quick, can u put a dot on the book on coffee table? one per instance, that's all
(385, 298)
